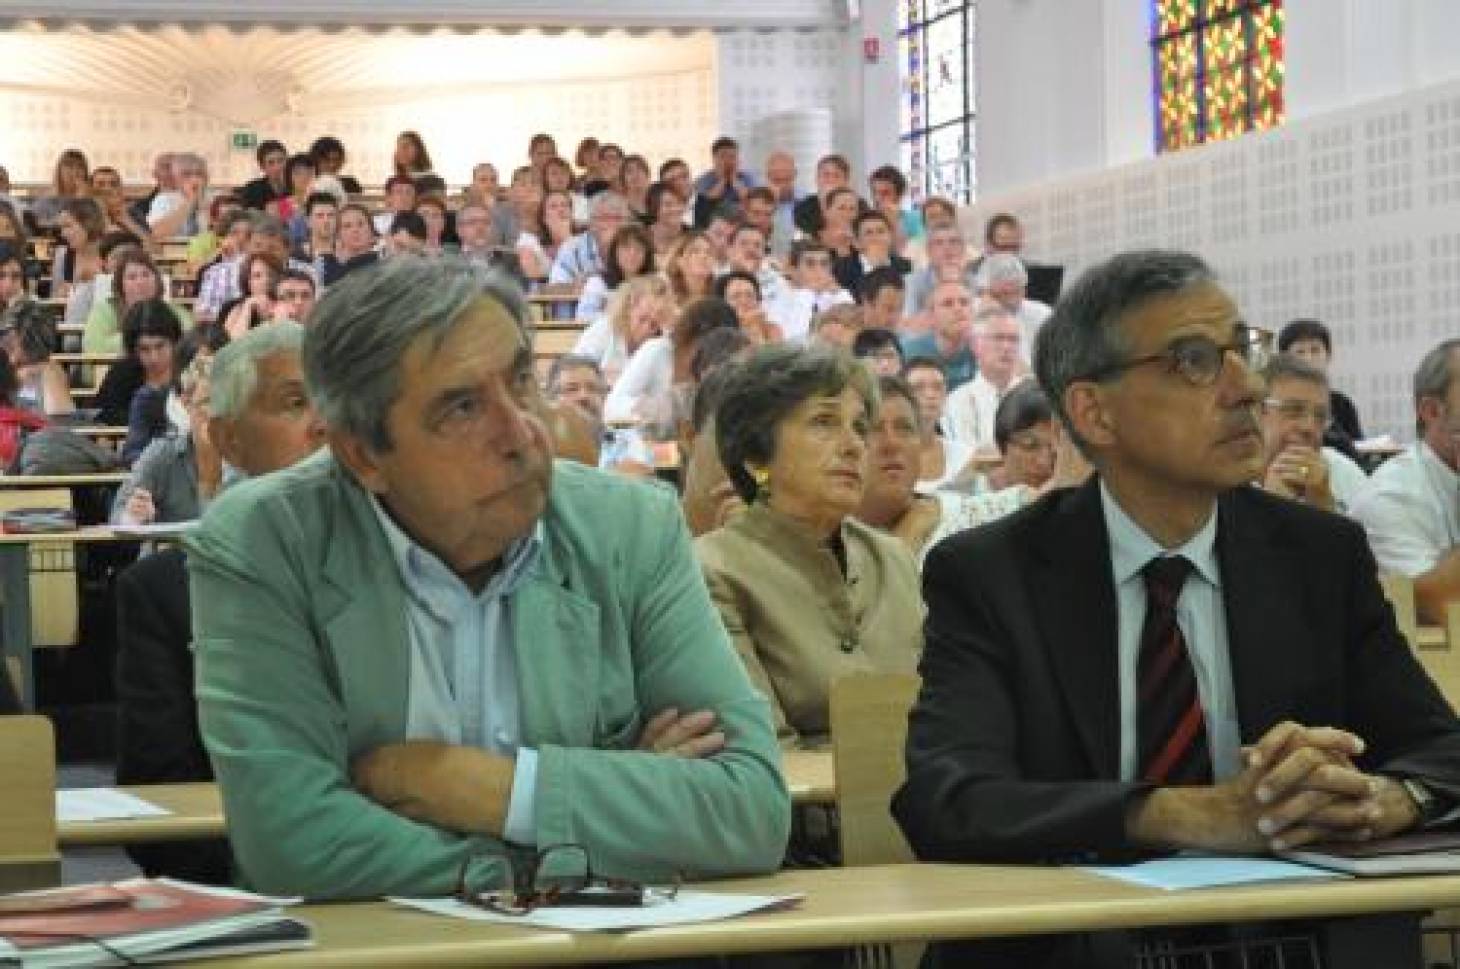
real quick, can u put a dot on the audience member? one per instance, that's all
(709, 499)
(150, 330)
(880, 350)
(411, 159)
(608, 174)
(557, 176)
(653, 391)
(407, 235)
(1031, 740)
(887, 187)
(837, 326)
(70, 180)
(691, 268)
(791, 429)
(1002, 234)
(258, 289)
(271, 185)
(742, 291)
(163, 410)
(106, 189)
(630, 254)
(814, 289)
(400, 196)
(881, 294)
(135, 280)
(27, 336)
(218, 283)
(891, 501)
(577, 381)
(260, 419)
(639, 310)
(950, 337)
(636, 179)
(329, 160)
(539, 249)
(1002, 277)
(747, 253)
(838, 221)
(1310, 340)
(1296, 464)
(163, 180)
(322, 215)
(724, 184)
(780, 180)
(969, 414)
(16, 422)
(181, 211)
(759, 211)
(338, 803)
(355, 245)
(295, 296)
(1024, 434)
(541, 149)
(940, 459)
(582, 256)
(674, 172)
(13, 293)
(586, 158)
(1412, 511)
(832, 172)
(664, 210)
(300, 173)
(947, 259)
(723, 223)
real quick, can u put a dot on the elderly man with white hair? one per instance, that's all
(1002, 277)
(582, 255)
(183, 210)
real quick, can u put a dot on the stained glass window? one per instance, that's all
(1217, 67)
(936, 123)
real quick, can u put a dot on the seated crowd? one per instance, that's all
(439, 612)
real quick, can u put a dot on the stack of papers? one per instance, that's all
(102, 804)
(1210, 871)
(684, 909)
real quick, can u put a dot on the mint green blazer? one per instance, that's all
(303, 664)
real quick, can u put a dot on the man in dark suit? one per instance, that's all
(1165, 657)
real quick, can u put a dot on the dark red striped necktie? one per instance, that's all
(1171, 726)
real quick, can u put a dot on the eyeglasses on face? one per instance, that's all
(1199, 360)
(1298, 410)
(556, 875)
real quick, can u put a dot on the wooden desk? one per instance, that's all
(197, 809)
(810, 776)
(197, 813)
(850, 907)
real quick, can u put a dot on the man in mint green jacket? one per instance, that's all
(430, 642)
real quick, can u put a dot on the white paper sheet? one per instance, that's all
(103, 804)
(1210, 871)
(155, 529)
(688, 908)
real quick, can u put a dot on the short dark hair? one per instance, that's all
(395, 180)
(10, 252)
(761, 193)
(654, 199)
(838, 161)
(149, 317)
(728, 212)
(410, 223)
(569, 361)
(267, 148)
(316, 199)
(1304, 329)
(764, 389)
(868, 215)
(1022, 408)
(724, 141)
(801, 247)
(924, 363)
(702, 317)
(893, 176)
(669, 163)
(868, 342)
(326, 145)
(888, 387)
(300, 276)
(1083, 335)
(717, 348)
(295, 163)
(722, 283)
(745, 227)
(883, 277)
(995, 221)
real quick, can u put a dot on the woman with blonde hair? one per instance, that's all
(72, 179)
(639, 309)
(691, 267)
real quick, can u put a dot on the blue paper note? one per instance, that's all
(1210, 871)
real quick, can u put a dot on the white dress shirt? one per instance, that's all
(968, 413)
(1202, 617)
(1412, 511)
(1032, 314)
(1346, 480)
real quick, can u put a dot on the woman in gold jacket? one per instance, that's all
(807, 593)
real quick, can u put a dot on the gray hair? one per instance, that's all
(271, 226)
(360, 332)
(760, 394)
(1432, 377)
(187, 159)
(569, 361)
(1083, 336)
(989, 310)
(1286, 366)
(607, 200)
(234, 375)
(1001, 267)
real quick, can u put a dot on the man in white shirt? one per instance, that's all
(182, 212)
(1294, 415)
(1002, 277)
(814, 288)
(1412, 512)
(969, 414)
(747, 253)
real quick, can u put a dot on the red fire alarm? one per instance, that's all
(871, 49)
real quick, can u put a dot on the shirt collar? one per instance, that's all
(1437, 469)
(432, 584)
(1131, 547)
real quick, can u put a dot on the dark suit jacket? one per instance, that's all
(158, 740)
(1014, 742)
(848, 271)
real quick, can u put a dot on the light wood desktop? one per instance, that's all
(197, 809)
(62, 480)
(850, 907)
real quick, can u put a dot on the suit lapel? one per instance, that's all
(1072, 580)
(556, 636)
(363, 612)
(1263, 598)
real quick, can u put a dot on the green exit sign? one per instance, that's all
(245, 140)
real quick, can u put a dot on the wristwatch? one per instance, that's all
(1425, 801)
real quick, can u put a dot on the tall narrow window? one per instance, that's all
(1217, 68)
(935, 58)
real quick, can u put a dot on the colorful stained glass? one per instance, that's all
(1217, 69)
(935, 57)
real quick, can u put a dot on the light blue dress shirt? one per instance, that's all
(1202, 616)
(463, 677)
